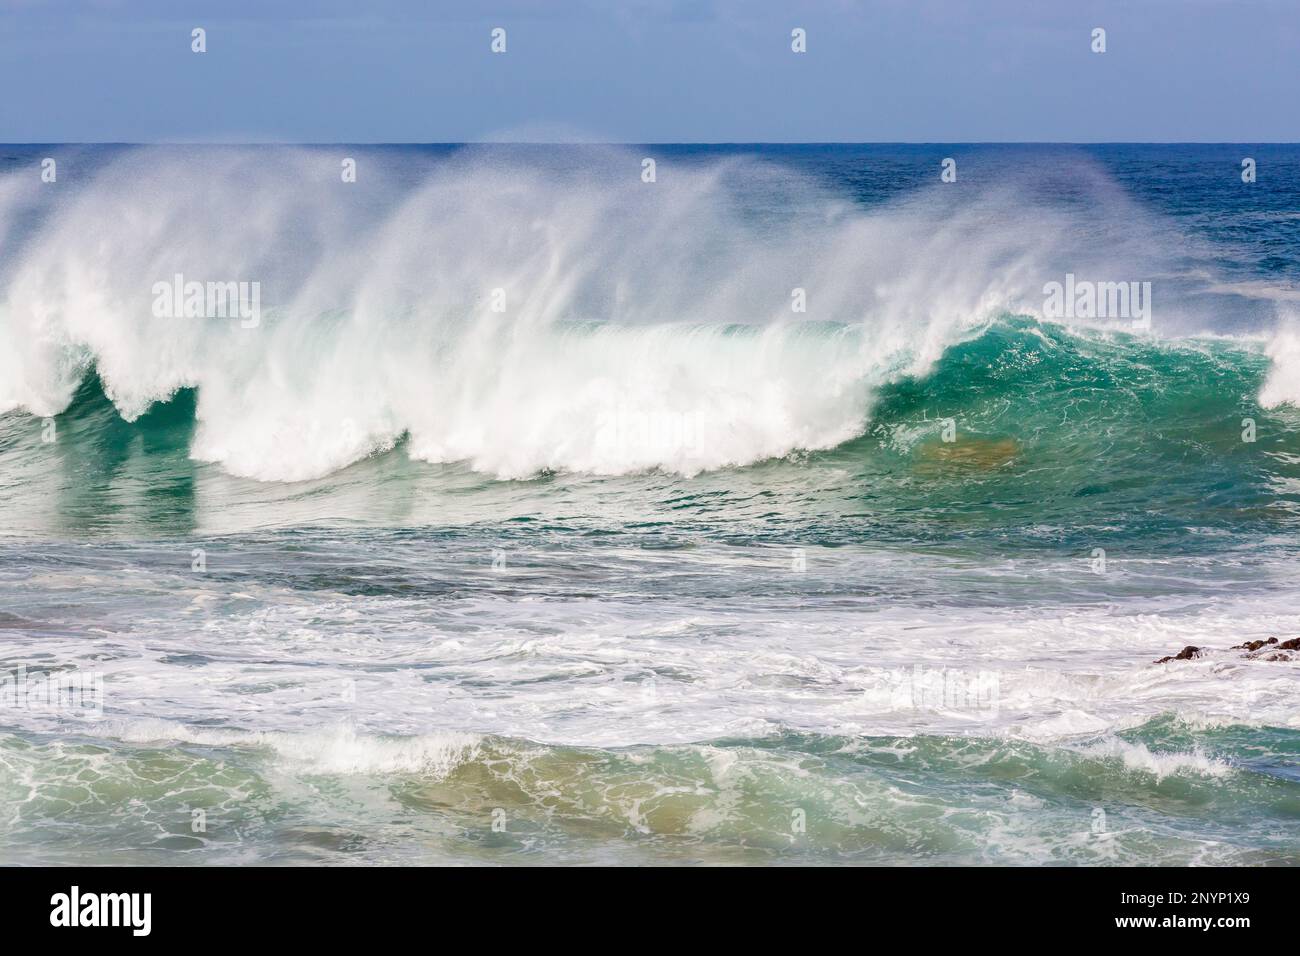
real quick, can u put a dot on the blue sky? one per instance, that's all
(650, 71)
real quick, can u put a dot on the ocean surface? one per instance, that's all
(530, 521)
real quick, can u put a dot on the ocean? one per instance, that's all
(527, 504)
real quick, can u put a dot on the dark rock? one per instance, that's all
(1269, 650)
(1253, 645)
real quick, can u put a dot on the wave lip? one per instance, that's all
(1282, 386)
(340, 750)
(1138, 757)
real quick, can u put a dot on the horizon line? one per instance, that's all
(489, 142)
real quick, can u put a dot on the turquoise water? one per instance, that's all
(649, 567)
(785, 798)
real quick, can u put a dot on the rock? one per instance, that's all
(1257, 650)
(970, 454)
(1253, 645)
(1269, 650)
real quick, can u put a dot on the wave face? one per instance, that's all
(1023, 431)
(650, 567)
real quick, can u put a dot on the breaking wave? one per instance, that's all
(644, 325)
